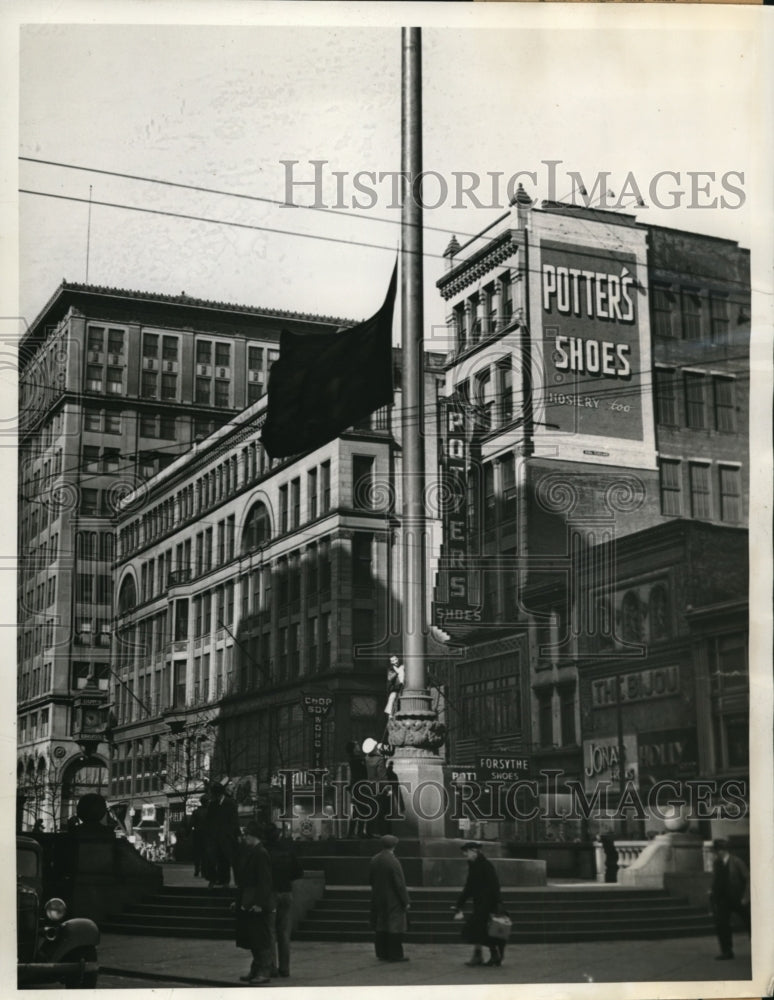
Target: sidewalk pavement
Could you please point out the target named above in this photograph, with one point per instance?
(341, 963)
(313, 963)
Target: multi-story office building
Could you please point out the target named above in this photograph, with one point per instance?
(258, 605)
(596, 388)
(114, 385)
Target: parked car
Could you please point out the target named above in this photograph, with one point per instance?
(50, 948)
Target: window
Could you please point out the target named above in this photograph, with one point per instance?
(490, 502)
(483, 400)
(168, 386)
(283, 509)
(506, 300)
(112, 423)
(670, 488)
(719, 318)
(167, 428)
(362, 560)
(695, 400)
(505, 391)
(691, 314)
(362, 482)
(311, 493)
(203, 390)
(89, 502)
(149, 386)
(312, 642)
(666, 396)
(567, 714)
(725, 411)
(169, 349)
(257, 528)
(150, 345)
(663, 305)
(111, 458)
(203, 352)
(92, 420)
(508, 481)
(94, 378)
(295, 503)
(490, 309)
(475, 319)
(90, 459)
(325, 487)
(325, 568)
(222, 392)
(95, 339)
(115, 381)
(459, 327)
(700, 490)
(631, 617)
(730, 494)
(659, 614)
(325, 648)
(147, 426)
(222, 355)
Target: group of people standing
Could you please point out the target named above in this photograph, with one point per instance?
(390, 904)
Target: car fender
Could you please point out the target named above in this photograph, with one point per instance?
(79, 932)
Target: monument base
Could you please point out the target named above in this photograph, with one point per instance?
(667, 853)
(423, 796)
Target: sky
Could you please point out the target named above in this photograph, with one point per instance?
(222, 106)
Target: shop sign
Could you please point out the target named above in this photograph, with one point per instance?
(669, 754)
(601, 763)
(639, 685)
(493, 767)
(592, 357)
(318, 707)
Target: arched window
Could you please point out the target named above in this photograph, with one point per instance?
(631, 618)
(257, 529)
(660, 624)
(127, 597)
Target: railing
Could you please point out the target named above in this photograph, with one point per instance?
(179, 576)
(628, 852)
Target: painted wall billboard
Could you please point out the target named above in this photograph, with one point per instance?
(593, 365)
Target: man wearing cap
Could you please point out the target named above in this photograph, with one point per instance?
(730, 894)
(389, 902)
(483, 887)
(254, 906)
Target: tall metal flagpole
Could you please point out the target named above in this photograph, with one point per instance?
(414, 730)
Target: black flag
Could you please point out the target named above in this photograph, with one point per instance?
(323, 383)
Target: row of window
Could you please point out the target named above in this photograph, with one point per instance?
(695, 400)
(688, 314)
(483, 314)
(33, 681)
(487, 397)
(33, 725)
(701, 490)
(37, 599)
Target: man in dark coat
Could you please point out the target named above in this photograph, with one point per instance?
(221, 836)
(483, 887)
(730, 894)
(389, 902)
(254, 905)
(285, 869)
(198, 842)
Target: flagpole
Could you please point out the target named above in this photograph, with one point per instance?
(413, 375)
(414, 730)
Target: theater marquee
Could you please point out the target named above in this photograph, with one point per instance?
(592, 358)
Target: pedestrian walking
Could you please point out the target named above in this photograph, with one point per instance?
(483, 888)
(198, 825)
(254, 905)
(730, 894)
(389, 902)
(357, 773)
(285, 869)
(221, 836)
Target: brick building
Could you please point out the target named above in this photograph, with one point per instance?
(597, 387)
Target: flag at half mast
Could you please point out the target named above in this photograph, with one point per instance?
(323, 383)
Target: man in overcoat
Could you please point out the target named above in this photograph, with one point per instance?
(730, 894)
(221, 834)
(254, 906)
(483, 888)
(389, 902)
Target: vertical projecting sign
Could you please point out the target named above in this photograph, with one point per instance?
(318, 707)
(593, 366)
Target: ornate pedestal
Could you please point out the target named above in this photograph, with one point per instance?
(417, 736)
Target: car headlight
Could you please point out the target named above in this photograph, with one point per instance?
(56, 909)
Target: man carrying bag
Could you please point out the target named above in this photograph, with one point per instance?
(254, 906)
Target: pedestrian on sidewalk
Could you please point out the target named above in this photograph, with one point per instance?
(389, 902)
(285, 869)
(198, 826)
(730, 894)
(221, 836)
(611, 857)
(254, 905)
(483, 888)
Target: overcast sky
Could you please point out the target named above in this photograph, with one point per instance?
(220, 107)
